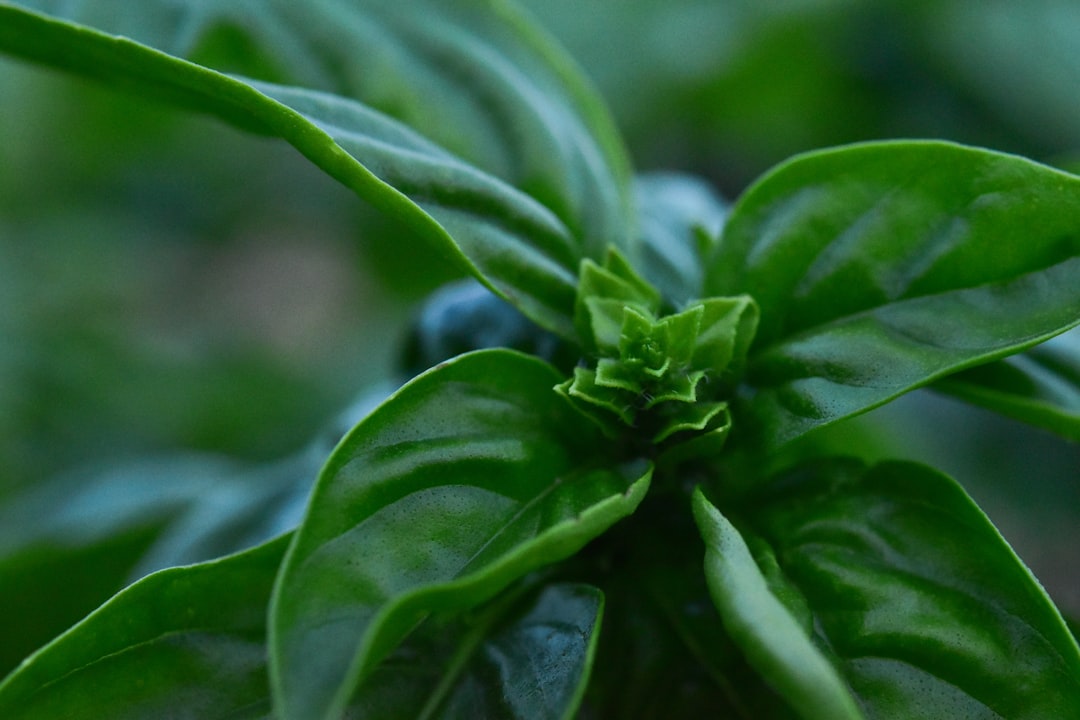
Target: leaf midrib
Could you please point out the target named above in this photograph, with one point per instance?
(868, 312)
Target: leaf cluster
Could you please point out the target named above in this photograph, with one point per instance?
(606, 492)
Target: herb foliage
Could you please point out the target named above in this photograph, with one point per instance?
(518, 531)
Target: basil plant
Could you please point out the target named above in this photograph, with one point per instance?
(606, 492)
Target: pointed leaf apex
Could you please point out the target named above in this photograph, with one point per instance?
(617, 264)
(727, 330)
(599, 287)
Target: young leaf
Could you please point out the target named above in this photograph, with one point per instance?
(882, 267)
(471, 476)
(524, 208)
(1040, 386)
(772, 639)
(925, 609)
(185, 642)
(529, 660)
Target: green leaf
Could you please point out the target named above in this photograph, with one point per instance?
(601, 293)
(584, 391)
(705, 444)
(882, 267)
(665, 653)
(679, 220)
(524, 201)
(511, 241)
(773, 641)
(185, 642)
(924, 608)
(477, 78)
(617, 264)
(698, 416)
(471, 476)
(680, 333)
(530, 659)
(67, 544)
(45, 589)
(728, 327)
(1040, 386)
(70, 542)
(645, 669)
(606, 317)
(614, 375)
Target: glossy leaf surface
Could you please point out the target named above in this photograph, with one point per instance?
(882, 267)
(471, 476)
(185, 642)
(474, 77)
(922, 606)
(529, 660)
(770, 636)
(1040, 386)
(525, 204)
(514, 242)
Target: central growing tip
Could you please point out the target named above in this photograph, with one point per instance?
(665, 377)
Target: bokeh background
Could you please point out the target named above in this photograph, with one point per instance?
(178, 293)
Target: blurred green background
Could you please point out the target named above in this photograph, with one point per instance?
(169, 285)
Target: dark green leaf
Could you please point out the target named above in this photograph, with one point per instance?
(1040, 386)
(924, 608)
(69, 543)
(45, 590)
(476, 78)
(512, 240)
(530, 198)
(679, 220)
(646, 669)
(185, 642)
(529, 660)
(471, 476)
(664, 652)
(882, 267)
(774, 641)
